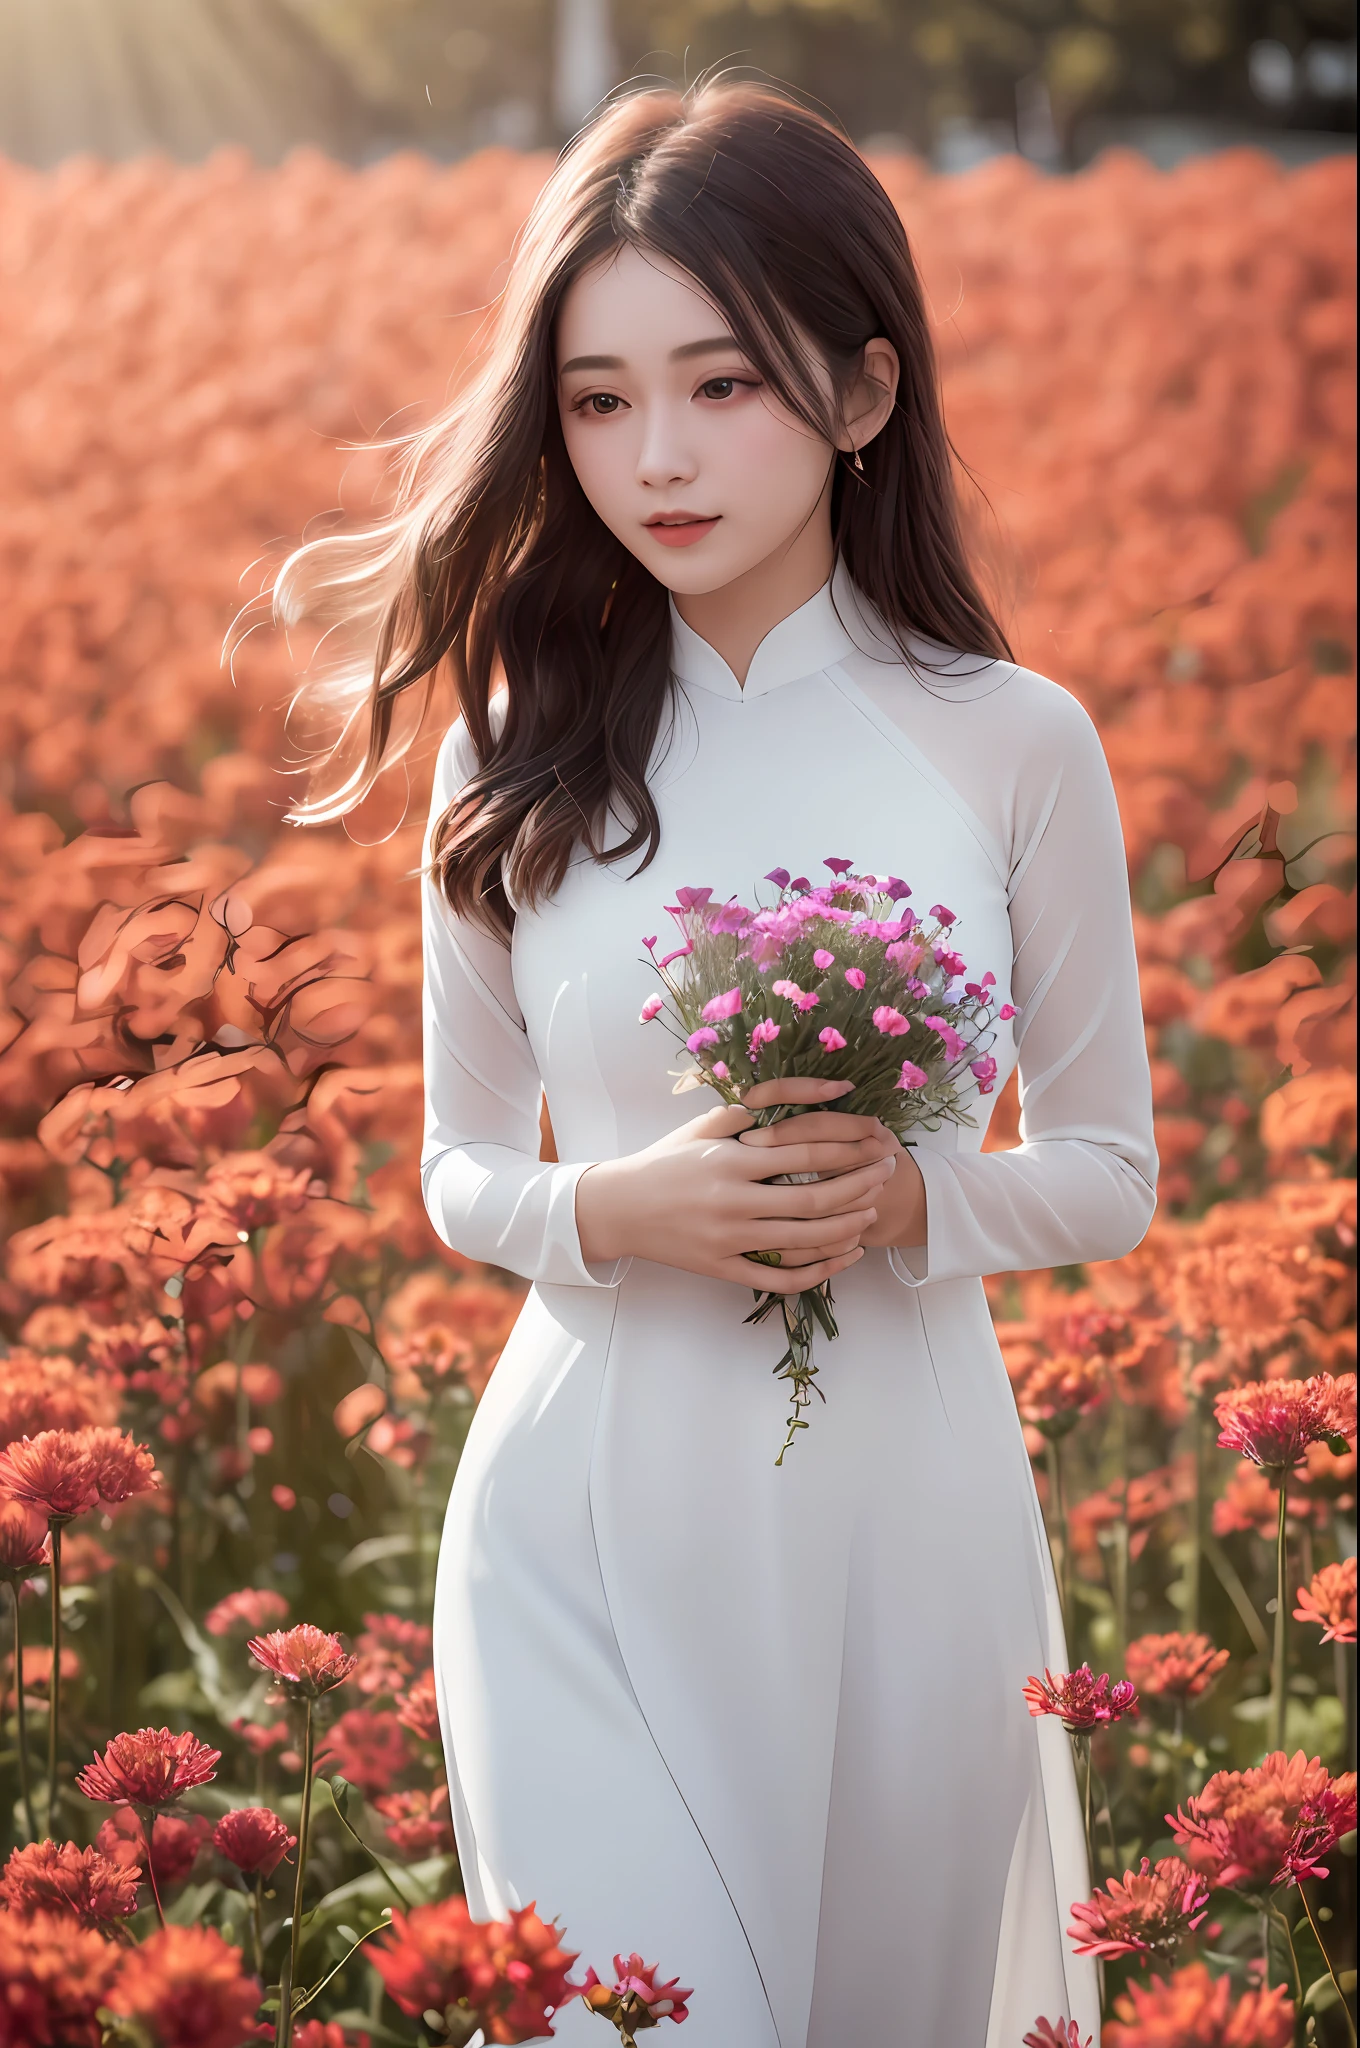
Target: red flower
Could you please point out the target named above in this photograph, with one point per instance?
(419, 1710)
(151, 1768)
(185, 1984)
(1174, 1666)
(119, 1465)
(1193, 2009)
(25, 1542)
(508, 1975)
(1239, 1830)
(1329, 1598)
(635, 2000)
(305, 1660)
(1147, 1912)
(52, 1472)
(176, 1839)
(54, 1877)
(367, 1746)
(244, 1612)
(1082, 1700)
(391, 1651)
(254, 1839)
(1272, 1422)
(417, 1822)
(326, 2034)
(53, 1979)
(1055, 2034)
(1321, 1824)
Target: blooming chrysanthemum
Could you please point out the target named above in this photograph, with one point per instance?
(186, 1985)
(419, 1710)
(52, 1472)
(151, 1768)
(1272, 1422)
(1321, 1823)
(61, 1877)
(1192, 2009)
(251, 1609)
(176, 1839)
(53, 1979)
(635, 2001)
(254, 1839)
(1329, 1599)
(1240, 1829)
(305, 1660)
(1174, 1666)
(1053, 1392)
(119, 1465)
(1055, 2034)
(1080, 1699)
(1147, 1912)
(391, 1651)
(368, 1746)
(511, 1975)
(25, 1543)
(417, 1822)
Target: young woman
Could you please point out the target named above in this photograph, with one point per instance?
(690, 544)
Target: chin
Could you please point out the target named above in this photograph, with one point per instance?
(684, 571)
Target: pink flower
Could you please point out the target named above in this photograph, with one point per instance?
(838, 867)
(679, 954)
(1006, 1012)
(730, 917)
(779, 876)
(949, 1037)
(831, 1039)
(697, 1040)
(653, 1007)
(720, 1070)
(635, 2001)
(985, 1072)
(855, 976)
(688, 899)
(1272, 1422)
(1057, 2033)
(952, 963)
(943, 916)
(1082, 1700)
(766, 1033)
(821, 959)
(726, 1005)
(889, 1021)
(1147, 1912)
(912, 1076)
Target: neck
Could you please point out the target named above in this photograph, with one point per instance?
(736, 618)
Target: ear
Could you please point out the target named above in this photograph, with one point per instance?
(871, 396)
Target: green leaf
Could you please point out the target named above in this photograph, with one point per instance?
(1320, 1995)
(372, 1551)
(190, 1907)
(205, 1659)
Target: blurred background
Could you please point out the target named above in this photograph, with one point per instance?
(955, 81)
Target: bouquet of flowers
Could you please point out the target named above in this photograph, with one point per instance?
(840, 982)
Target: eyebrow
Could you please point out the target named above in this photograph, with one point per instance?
(708, 347)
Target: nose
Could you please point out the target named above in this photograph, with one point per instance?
(664, 456)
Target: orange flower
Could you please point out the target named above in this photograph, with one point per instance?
(1147, 1912)
(1174, 1666)
(510, 1975)
(51, 1393)
(1053, 1393)
(1239, 1829)
(25, 1542)
(635, 2000)
(418, 1822)
(391, 1651)
(254, 1839)
(121, 1467)
(151, 1768)
(60, 1877)
(1329, 1599)
(1192, 2009)
(1274, 1421)
(245, 1611)
(305, 1661)
(38, 1670)
(419, 1709)
(53, 1979)
(187, 1988)
(53, 1472)
(254, 1189)
(367, 1746)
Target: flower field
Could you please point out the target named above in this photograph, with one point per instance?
(237, 1364)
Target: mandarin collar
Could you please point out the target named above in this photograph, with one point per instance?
(803, 644)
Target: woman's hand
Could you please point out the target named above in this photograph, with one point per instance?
(699, 1201)
(899, 1206)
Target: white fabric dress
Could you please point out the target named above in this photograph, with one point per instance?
(766, 1726)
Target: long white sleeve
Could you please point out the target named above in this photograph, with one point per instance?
(1082, 1183)
(488, 1193)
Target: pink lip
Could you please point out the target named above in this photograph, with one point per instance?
(680, 533)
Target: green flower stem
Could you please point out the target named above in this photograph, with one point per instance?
(54, 1683)
(1083, 1743)
(1322, 1950)
(295, 1942)
(371, 1854)
(25, 1789)
(316, 1989)
(257, 1920)
(149, 1830)
(1279, 1663)
(1121, 1538)
(1195, 1567)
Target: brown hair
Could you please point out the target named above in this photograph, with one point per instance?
(493, 556)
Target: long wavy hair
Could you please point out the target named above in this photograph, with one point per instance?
(493, 561)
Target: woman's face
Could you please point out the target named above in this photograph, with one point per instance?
(683, 450)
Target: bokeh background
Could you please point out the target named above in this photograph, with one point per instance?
(241, 241)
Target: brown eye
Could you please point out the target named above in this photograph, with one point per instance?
(603, 403)
(719, 387)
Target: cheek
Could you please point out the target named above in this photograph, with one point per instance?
(771, 463)
(603, 458)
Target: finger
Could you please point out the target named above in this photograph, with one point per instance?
(797, 1255)
(818, 1235)
(794, 1088)
(818, 1126)
(814, 1198)
(771, 1280)
(726, 1121)
(783, 1159)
